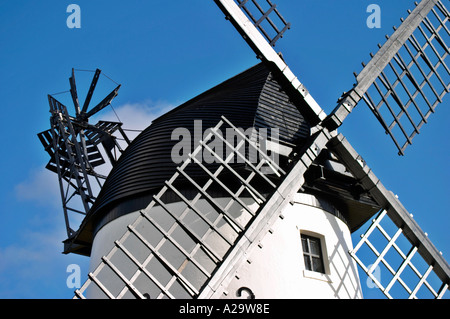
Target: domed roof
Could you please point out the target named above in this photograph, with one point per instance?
(250, 99)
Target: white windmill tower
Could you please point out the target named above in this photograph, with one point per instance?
(249, 189)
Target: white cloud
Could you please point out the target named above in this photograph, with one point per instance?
(41, 187)
(33, 263)
(33, 266)
(35, 250)
(136, 116)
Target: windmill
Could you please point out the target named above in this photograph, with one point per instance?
(202, 229)
(74, 148)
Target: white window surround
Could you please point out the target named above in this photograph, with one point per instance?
(326, 262)
(316, 275)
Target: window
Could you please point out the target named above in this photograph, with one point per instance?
(312, 254)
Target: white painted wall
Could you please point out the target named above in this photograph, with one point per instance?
(275, 268)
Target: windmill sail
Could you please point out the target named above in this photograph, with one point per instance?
(403, 225)
(407, 78)
(161, 257)
(196, 231)
(255, 28)
(412, 60)
(190, 256)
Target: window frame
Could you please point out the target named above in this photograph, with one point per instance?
(310, 255)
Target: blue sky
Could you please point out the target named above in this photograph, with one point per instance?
(163, 53)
